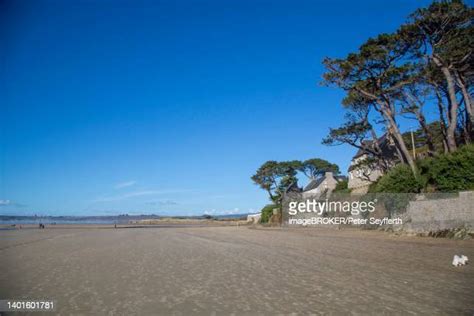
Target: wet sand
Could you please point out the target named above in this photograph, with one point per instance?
(202, 270)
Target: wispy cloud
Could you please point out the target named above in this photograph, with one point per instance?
(222, 196)
(125, 184)
(137, 194)
(225, 212)
(5, 202)
(162, 203)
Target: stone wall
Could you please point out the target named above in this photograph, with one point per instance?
(432, 215)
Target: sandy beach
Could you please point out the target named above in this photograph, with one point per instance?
(223, 270)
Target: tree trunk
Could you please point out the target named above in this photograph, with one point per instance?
(387, 112)
(403, 148)
(442, 121)
(467, 98)
(429, 137)
(271, 195)
(417, 109)
(383, 164)
(453, 110)
(467, 102)
(465, 127)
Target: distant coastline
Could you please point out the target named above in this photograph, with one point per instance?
(110, 219)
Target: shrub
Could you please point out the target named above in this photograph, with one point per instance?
(267, 212)
(399, 179)
(450, 172)
(373, 186)
(341, 186)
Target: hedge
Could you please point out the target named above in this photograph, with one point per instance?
(450, 172)
(267, 212)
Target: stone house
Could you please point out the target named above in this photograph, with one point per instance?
(364, 170)
(254, 218)
(322, 185)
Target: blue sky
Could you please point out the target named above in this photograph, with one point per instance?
(168, 107)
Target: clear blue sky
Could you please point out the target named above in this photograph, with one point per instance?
(168, 107)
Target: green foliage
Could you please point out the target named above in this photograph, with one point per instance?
(394, 75)
(275, 177)
(267, 212)
(399, 179)
(450, 172)
(420, 138)
(342, 186)
(265, 177)
(316, 167)
(353, 132)
(373, 186)
(447, 27)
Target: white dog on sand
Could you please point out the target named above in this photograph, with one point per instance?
(460, 260)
